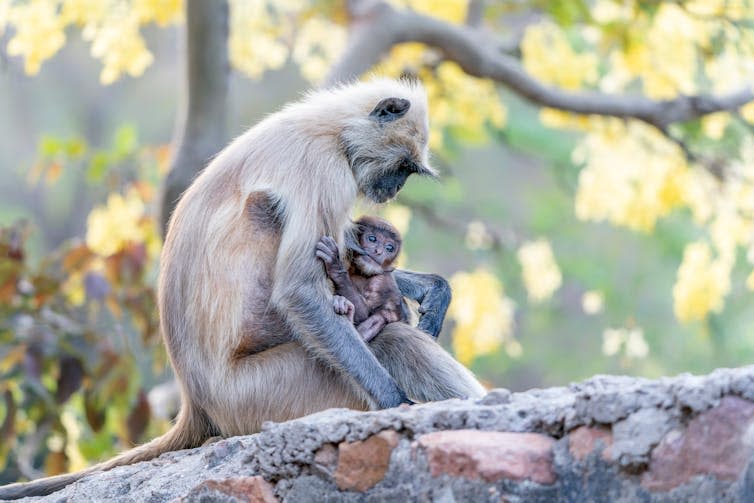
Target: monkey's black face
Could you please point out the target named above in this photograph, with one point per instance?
(389, 184)
(386, 187)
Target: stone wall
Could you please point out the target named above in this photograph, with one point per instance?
(607, 439)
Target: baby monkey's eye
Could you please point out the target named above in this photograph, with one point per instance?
(372, 239)
(390, 248)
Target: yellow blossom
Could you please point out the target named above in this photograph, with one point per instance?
(85, 13)
(4, 13)
(732, 9)
(256, 29)
(612, 339)
(729, 68)
(564, 120)
(540, 272)
(630, 340)
(714, 125)
(318, 44)
(111, 227)
(477, 236)
(701, 284)
(548, 56)
(119, 44)
(483, 315)
(73, 429)
(632, 175)
(747, 112)
(610, 11)
(73, 288)
(162, 12)
(39, 32)
(448, 10)
(592, 302)
(636, 345)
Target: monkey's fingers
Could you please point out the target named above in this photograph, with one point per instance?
(326, 258)
(323, 250)
(330, 242)
(326, 245)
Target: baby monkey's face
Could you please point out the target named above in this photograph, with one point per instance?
(379, 246)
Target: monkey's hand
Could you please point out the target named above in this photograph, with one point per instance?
(341, 305)
(431, 291)
(327, 251)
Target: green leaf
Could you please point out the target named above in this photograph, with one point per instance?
(49, 146)
(75, 148)
(97, 167)
(125, 141)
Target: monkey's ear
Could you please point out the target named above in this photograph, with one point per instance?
(390, 109)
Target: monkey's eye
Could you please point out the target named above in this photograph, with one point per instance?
(390, 248)
(372, 239)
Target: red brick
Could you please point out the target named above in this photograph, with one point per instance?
(490, 455)
(361, 465)
(584, 439)
(249, 489)
(714, 443)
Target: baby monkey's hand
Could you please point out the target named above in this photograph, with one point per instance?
(341, 305)
(327, 251)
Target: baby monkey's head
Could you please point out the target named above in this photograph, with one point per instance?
(381, 244)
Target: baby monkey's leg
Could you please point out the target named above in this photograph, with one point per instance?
(371, 327)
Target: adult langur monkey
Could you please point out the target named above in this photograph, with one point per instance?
(245, 306)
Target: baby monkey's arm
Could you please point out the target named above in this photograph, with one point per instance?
(327, 251)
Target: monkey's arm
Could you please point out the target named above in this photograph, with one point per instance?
(327, 251)
(300, 292)
(432, 293)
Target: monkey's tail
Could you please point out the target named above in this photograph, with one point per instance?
(190, 430)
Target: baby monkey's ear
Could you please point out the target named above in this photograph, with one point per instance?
(390, 109)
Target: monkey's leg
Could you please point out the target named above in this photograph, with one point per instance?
(432, 293)
(421, 366)
(278, 384)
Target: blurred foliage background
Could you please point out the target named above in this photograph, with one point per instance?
(575, 244)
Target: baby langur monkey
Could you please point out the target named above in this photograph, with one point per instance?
(367, 292)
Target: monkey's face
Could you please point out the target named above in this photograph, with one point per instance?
(379, 251)
(380, 247)
(387, 146)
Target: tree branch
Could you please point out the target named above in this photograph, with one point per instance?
(200, 128)
(377, 26)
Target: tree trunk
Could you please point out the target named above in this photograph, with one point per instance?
(200, 127)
